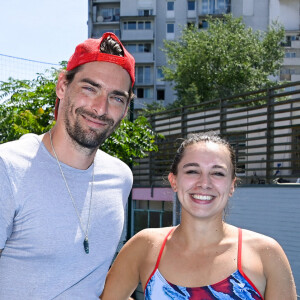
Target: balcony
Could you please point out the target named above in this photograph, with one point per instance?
(137, 35)
(295, 44)
(291, 61)
(219, 7)
(107, 19)
(106, 1)
(104, 15)
(143, 57)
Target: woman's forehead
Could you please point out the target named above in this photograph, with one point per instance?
(211, 149)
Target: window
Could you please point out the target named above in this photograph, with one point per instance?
(147, 47)
(216, 6)
(140, 25)
(132, 25)
(141, 48)
(147, 74)
(191, 5)
(159, 74)
(152, 214)
(190, 24)
(147, 25)
(109, 15)
(170, 28)
(146, 93)
(170, 5)
(144, 47)
(160, 94)
(290, 54)
(145, 12)
(143, 74)
(203, 24)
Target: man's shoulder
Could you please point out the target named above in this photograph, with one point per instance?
(24, 147)
(29, 139)
(107, 160)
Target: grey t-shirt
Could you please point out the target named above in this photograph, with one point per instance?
(43, 255)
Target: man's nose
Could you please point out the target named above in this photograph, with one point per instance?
(100, 104)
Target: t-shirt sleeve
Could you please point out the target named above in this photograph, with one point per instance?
(7, 206)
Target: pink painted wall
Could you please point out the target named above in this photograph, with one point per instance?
(159, 194)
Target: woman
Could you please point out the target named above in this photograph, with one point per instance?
(203, 257)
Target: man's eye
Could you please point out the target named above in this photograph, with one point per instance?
(89, 88)
(118, 99)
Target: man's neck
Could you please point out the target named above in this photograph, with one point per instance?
(67, 151)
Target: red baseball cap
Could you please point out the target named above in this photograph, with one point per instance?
(89, 51)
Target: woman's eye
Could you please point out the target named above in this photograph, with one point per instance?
(219, 174)
(191, 172)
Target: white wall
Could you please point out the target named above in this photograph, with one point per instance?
(273, 211)
(289, 14)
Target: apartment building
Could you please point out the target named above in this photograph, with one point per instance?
(143, 25)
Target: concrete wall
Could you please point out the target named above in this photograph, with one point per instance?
(273, 211)
(289, 14)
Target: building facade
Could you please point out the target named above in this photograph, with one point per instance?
(143, 25)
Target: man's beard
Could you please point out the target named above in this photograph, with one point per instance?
(89, 138)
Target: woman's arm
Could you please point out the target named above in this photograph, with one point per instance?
(124, 275)
(280, 282)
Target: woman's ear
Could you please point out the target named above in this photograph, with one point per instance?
(172, 180)
(232, 187)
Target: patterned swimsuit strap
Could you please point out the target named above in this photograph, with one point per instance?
(159, 255)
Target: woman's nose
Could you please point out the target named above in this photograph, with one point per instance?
(204, 181)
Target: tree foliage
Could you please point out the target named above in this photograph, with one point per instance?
(28, 106)
(226, 59)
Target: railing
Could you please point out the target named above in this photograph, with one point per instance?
(263, 127)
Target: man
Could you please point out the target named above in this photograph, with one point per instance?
(61, 198)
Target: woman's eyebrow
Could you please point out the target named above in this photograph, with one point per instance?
(191, 165)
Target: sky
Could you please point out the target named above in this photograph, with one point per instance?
(42, 30)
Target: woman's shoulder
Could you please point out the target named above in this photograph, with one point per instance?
(274, 263)
(151, 235)
(148, 238)
(267, 248)
(259, 241)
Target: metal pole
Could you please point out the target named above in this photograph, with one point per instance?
(129, 205)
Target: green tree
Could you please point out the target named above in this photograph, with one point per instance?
(28, 106)
(226, 59)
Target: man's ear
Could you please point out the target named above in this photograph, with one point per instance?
(172, 180)
(61, 85)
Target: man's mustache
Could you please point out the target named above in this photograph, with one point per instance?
(82, 111)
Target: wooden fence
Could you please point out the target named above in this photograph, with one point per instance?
(263, 127)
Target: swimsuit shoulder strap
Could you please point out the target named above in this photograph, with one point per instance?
(160, 254)
(240, 242)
